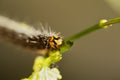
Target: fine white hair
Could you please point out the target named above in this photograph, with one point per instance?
(19, 27)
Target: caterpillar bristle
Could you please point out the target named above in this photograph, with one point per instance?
(39, 40)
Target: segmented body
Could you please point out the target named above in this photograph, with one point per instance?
(41, 41)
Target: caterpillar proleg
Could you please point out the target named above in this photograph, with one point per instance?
(42, 41)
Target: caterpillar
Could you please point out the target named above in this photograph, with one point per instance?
(41, 41)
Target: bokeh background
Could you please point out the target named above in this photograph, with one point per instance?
(93, 57)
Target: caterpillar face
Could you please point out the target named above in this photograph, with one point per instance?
(55, 42)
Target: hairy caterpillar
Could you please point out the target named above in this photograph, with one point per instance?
(42, 41)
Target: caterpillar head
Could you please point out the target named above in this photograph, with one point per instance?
(55, 42)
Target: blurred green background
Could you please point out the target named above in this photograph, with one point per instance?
(93, 57)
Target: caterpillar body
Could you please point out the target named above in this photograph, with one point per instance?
(41, 41)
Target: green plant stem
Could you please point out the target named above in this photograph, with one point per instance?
(112, 21)
(102, 24)
(83, 33)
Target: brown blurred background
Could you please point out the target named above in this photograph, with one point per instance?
(93, 57)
